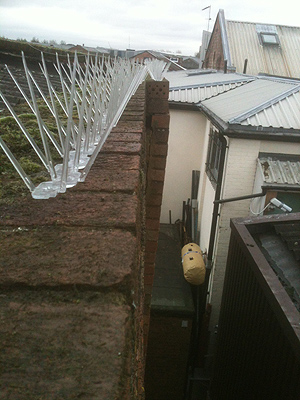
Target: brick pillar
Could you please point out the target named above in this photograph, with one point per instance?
(157, 126)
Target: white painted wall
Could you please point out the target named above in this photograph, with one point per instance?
(240, 173)
(188, 142)
(206, 213)
(185, 153)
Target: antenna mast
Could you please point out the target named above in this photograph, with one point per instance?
(209, 18)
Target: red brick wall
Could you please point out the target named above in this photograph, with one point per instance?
(144, 56)
(214, 57)
(157, 148)
(76, 270)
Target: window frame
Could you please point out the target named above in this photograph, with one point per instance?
(212, 165)
(265, 42)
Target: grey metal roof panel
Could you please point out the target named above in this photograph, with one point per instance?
(195, 86)
(283, 114)
(197, 94)
(180, 79)
(257, 98)
(244, 43)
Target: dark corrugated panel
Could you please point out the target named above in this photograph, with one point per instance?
(254, 358)
(290, 233)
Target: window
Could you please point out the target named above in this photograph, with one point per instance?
(268, 38)
(213, 156)
(267, 35)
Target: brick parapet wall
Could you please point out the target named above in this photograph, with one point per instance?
(157, 142)
(72, 271)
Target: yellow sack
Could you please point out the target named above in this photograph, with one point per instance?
(193, 264)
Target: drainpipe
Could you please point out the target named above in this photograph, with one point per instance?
(201, 292)
(245, 66)
(214, 221)
(225, 66)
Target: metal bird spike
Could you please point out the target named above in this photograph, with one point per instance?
(94, 96)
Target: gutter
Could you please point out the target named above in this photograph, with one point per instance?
(177, 105)
(251, 132)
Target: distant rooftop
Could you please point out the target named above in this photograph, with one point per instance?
(269, 48)
(193, 86)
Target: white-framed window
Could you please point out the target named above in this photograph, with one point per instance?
(213, 155)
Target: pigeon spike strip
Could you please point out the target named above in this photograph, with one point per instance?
(92, 97)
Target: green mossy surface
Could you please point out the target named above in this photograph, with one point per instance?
(11, 184)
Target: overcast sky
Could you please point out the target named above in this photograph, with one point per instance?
(169, 25)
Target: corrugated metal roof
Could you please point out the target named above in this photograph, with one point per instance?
(195, 86)
(283, 114)
(244, 43)
(263, 102)
(281, 172)
(197, 94)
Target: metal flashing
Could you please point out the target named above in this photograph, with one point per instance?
(240, 118)
(224, 36)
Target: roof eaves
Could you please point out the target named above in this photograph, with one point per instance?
(263, 133)
(240, 118)
(217, 121)
(251, 132)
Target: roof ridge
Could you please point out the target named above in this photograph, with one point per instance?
(249, 79)
(262, 23)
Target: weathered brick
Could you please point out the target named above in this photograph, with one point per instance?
(157, 162)
(155, 187)
(156, 175)
(58, 344)
(153, 212)
(154, 199)
(122, 147)
(160, 106)
(150, 257)
(151, 246)
(157, 89)
(149, 268)
(152, 235)
(152, 223)
(147, 300)
(74, 209)
(159, 149)
(83, 240)
(160, 121)
(148, 288)
(111, 181)
(56, 258)
(160, 135)
(148, 280)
